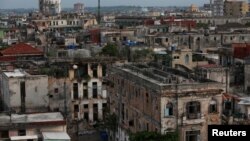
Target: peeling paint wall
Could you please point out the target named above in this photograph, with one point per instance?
(36, 95)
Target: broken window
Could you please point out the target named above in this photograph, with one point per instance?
(56, 90)
(23, 96)
(193, 110)
(94, 85)
(213, 106)
(75, 90)
(76, 108)
(85, 93)
(22, 132)
(86, 116)
(193, 135)
(86, 106)
(83, 70)
(147, 97)
(95, 68)
(168, 110)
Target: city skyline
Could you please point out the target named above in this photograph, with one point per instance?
(12, 4)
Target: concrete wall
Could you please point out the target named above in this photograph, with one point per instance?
(36, 94)
(38, 130)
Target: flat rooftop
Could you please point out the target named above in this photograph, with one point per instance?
(159, 77)
(15, 73)
(31, 118)
(55, 136)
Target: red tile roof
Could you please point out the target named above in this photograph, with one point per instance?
(21, 49)
(7, 58)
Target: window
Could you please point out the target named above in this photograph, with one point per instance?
(147, 97)
(76, 108)
(104, 105)
(215, 39)
(193, 135)
(56, 90)
(85, 84)
(104, 68)
(94, 85)
(168, 110)
(166, 39)
(95, 68)
(86, 116)
(75, 90)
(193, 110)
(95, 116)
(23, 95)
(22, 132)
(95, 107)
(86, 106)
(85, 93)
(213, 106)
(176, 57)
(187, 59)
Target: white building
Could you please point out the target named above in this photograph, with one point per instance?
(22, 92)
(50, 7)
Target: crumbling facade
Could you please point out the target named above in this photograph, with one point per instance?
(147, 98)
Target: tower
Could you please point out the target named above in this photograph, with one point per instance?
(50, 7)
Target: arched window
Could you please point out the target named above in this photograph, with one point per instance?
(168, 111)
(193, 110)
(187, 59)
(212, 106)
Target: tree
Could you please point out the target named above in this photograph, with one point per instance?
(110, 50)
(153, 136)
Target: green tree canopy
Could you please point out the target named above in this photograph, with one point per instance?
(110, 50)
(153, 136)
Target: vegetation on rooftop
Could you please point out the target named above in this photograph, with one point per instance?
(54, 71)
(110, 50)
(202, 25)
(142, 55)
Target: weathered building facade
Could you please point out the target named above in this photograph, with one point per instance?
(147, 98)
(23, 93)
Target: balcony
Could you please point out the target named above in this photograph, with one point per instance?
(196, 118)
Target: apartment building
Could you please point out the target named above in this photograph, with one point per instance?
(154, 98)
(235, 8)
(218, 8)
(84, 87)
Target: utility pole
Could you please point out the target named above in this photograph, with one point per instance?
(65, 99)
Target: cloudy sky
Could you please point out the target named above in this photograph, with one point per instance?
(5, 4)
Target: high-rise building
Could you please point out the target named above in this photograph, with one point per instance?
(79, 8)
(218, 8)
(235, 8)
(50, 7)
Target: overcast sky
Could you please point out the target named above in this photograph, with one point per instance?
(6, 4)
